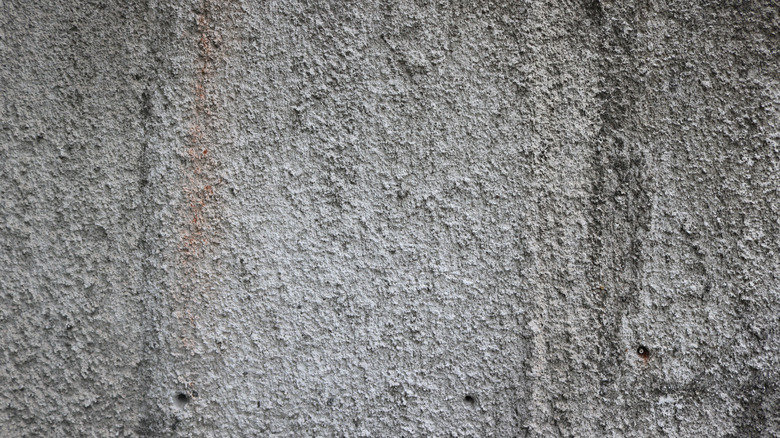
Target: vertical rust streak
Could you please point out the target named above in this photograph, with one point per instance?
(199, 227)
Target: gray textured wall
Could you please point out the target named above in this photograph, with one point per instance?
(390, 218)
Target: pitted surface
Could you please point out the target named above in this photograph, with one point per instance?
(390, 218)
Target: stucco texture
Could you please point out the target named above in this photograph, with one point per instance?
(389, 218)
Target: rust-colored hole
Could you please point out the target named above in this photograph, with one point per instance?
(643, 352)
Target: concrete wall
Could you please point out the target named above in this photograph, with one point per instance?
(390, 218)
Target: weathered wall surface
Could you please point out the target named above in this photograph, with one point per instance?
(390, 218)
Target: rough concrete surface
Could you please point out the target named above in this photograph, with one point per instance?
(390, 218)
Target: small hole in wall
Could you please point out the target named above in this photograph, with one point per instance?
(182, 399)
(469, 399)
(643, 352)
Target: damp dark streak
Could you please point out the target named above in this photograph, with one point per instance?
(150, 244)
(619, 205)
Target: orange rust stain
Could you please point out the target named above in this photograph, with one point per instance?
(199, 233)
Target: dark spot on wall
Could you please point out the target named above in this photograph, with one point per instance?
(144, 427)
(146, 105)
(182, 399)
(469, 399)
(643, 352)
(594, 11)
(759, 399)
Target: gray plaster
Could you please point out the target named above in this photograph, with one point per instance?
(389, 218)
